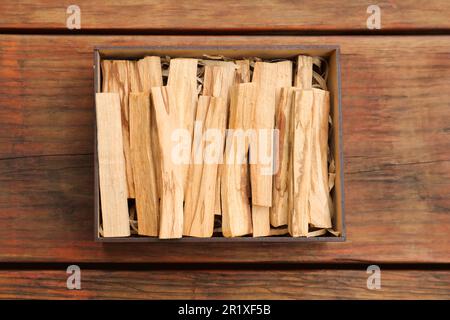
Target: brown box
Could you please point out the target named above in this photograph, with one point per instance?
(331, 53)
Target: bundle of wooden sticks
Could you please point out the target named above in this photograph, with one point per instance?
(199, 147)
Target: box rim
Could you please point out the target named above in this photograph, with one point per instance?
(341, 238)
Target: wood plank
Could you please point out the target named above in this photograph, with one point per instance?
(144, 170)
(111, 166)
(225, 284)
(253, 15)
(396, 148)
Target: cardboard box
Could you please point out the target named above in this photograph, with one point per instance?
(331, 53)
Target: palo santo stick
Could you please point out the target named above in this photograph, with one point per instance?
(199, 209)
(319, 197)
(111, 161)
(242, 71)
(150, 75)
(269, 77)
(280, 205)
(243, 76)
(301, 163)
(168, 120)
(303, 76)
(236, 216)
(278, 232)
(116, 79)
(219, 77)
(144, 171)
(183, 79)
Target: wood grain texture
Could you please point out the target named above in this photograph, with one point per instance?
(144, 169)
(236, 216)
(225, 284)
(269, 78)
(111, 166)
(199, 196)
(280, 191)
(117, 75)
(183, 80)
(396, 147)
(168, 120)
(153, 15)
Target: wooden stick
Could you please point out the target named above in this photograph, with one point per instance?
(242, 71)
(144, 171)
(183, 79)
(168, 120)
(219, 77)
(236, 217)
(301, 163)
(199, 209)
(303, 76)
(150, 75)
(243, 76)
(319, 198)
(111, 161)
(116, 79)
(270, 78)
(280, 205)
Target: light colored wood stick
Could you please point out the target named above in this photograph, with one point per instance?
(199, 209)
(150, 75)
(111, 161)
(168, 120)
(243, 76)
(183, 78)
(144, 171)
(116, 79)
(280, 205)
(242, 71)
(236, 216)
(270, 78)
(301, 163)
(219, 77)
(260, 221)
(303, 76)
(319, 197)
(278, 232)
(134, 79)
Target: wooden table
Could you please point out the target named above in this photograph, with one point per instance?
(396, 128)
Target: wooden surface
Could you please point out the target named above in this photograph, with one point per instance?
(396, 131)
(186, 15)
(224, 284)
